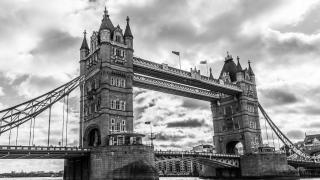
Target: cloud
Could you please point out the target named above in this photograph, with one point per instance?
(195, 104)
(295, 134)
(278, 97)
(189, 123)
(1, 91)
(54, 42)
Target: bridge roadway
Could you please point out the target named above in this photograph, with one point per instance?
(57, 152)
(41, 152)
(165, 72)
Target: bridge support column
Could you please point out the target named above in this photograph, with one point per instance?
(76, 168)
(123, 163)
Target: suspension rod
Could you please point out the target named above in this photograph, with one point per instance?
(67, 119)
(49, 125)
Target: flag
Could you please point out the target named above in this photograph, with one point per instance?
(203, 62)
(147, 122)
(176, 53)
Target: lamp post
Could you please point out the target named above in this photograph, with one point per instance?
(151, 134)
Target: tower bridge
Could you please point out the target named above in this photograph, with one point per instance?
(109, 148)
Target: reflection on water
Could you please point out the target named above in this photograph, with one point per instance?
(162, 178)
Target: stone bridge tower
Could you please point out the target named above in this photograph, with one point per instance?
(236, 119)
(106, 103)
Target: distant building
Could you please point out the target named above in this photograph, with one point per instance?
(204, 148)
(312, 140)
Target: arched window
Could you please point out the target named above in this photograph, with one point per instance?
(113, 104)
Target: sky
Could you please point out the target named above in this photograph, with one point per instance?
(39, 50)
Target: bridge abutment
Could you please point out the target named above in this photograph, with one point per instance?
(265, 165)
(113, 163)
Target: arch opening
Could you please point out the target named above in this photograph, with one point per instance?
(234, 147)
(94, 137)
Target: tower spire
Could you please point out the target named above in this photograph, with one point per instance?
(84, 44)
(210, 76)
(250, 69)
(106, 22)
(239, 68)
(127, 32)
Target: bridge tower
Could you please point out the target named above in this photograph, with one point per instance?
(236, 118)
(106, 110)
(106, 104)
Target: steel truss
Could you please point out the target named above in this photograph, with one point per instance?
(15, 116)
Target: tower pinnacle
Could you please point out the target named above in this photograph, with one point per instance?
(84, 44)
(127, 32)
(250, 69)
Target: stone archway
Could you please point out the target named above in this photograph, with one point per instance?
(234, 147)
(92, 137)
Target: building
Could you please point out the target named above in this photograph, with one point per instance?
(204, 148)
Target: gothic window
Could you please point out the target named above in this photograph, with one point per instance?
(112, 124)
(118, 82)
(118, 126)
(113, 104)
(123, 83)
(118, 52)
(250, 108)
(123, 125)
(118, 105)
(228, 111)
(118, 38)
(252, 125)
(112, 81)
(123, 105)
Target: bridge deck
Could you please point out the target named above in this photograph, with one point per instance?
(163, 71)
(41, 152)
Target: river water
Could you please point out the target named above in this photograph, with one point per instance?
(162, 178)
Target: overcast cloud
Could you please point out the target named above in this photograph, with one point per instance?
(40, 42)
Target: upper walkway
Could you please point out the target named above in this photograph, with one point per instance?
(163, 71)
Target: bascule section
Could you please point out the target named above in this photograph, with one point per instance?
(235, 118)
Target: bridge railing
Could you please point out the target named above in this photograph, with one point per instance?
(159, 152)
(42, 148)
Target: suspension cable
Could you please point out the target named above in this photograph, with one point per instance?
(63, 108)
(49, 125)
(67, 119)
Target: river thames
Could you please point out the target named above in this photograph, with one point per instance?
(161, 178)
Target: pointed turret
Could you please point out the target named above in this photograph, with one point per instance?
(229, 67)
(84, 44)
(250, 69)
(211, 76)
(127, 32)
(106, 22)
(239, 68)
